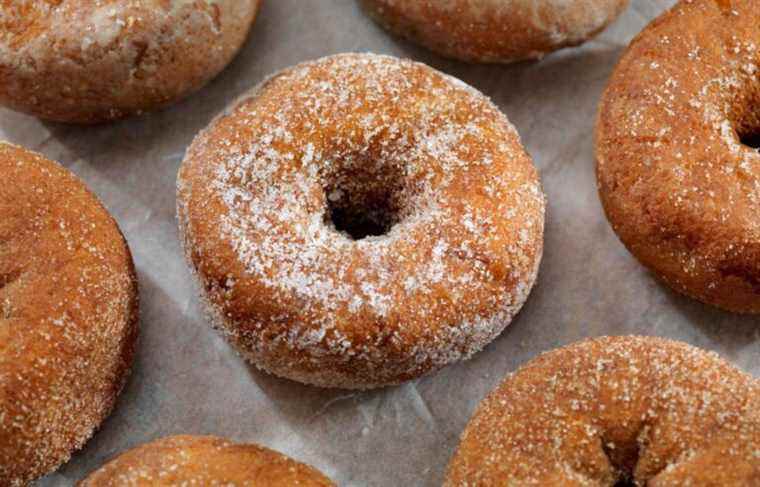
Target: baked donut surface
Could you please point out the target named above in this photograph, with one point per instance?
(68, 314)
(87, 61)
(677, 161)
(634, 410)
(204, 460)
(495, 31)
(359, 221)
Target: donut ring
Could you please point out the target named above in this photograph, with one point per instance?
(277, 196)
(88, 61)
(68, 315)
(203, 460)
(634, 410)
(495, 31)
(677, 167)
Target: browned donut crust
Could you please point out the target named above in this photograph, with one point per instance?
(644, 410)
(204, 460)
(68, 314)
(382, 141)
(495, 31)
(678, 185)
(87, 61)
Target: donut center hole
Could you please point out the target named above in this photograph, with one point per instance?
(364, 201)
(623, 456)
(748, 123)
(751, 139)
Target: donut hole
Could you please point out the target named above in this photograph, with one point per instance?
(623, 456)
(364, 200)
(747, 122)
(751, 139)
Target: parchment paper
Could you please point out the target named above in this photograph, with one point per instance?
(188, 380)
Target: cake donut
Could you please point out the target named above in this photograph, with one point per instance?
(616, 411)
(361, 220)
(677, 162)
(68, 314)
(495, 31)
(87, 61)
(204, 460)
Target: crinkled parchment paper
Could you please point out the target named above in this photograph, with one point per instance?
(187, 380)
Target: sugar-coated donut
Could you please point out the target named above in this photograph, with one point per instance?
(360, 220)
(677, 136)
(204, 460)
(87, 61)
(495, 31)
(68, 314)
(616, 411)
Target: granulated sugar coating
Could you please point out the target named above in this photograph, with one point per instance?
(677, 137)
(646, 411)
(495, 31)
(360, 220)
(88, 61)
(68, 315)
(204, 461)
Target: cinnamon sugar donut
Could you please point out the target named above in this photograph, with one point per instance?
(360, 220)
(87, 61)
(677, 138)
(68, 314)
(204, 460)
(495, 31)
(616, 411)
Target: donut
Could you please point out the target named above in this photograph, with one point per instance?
(204, 460)
(495, 31)
(360, 220)
(89, 61)
(616, 411)
(678, 168)
(68, 314)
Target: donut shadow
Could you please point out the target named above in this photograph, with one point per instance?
(733, 332)
(666, 313)
(17, 126)
(356, 417)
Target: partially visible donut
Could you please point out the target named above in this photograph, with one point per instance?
(88, 61)
(68, 314)
(645, 411)
(203, 460)
(359, 221)
(678, 165)
(495, 31)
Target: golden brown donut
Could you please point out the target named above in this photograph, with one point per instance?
(360, 220)
(68, 314)
(495, 31)
(204, 460)
(678, 169)
(633, 410)
(87, 61)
